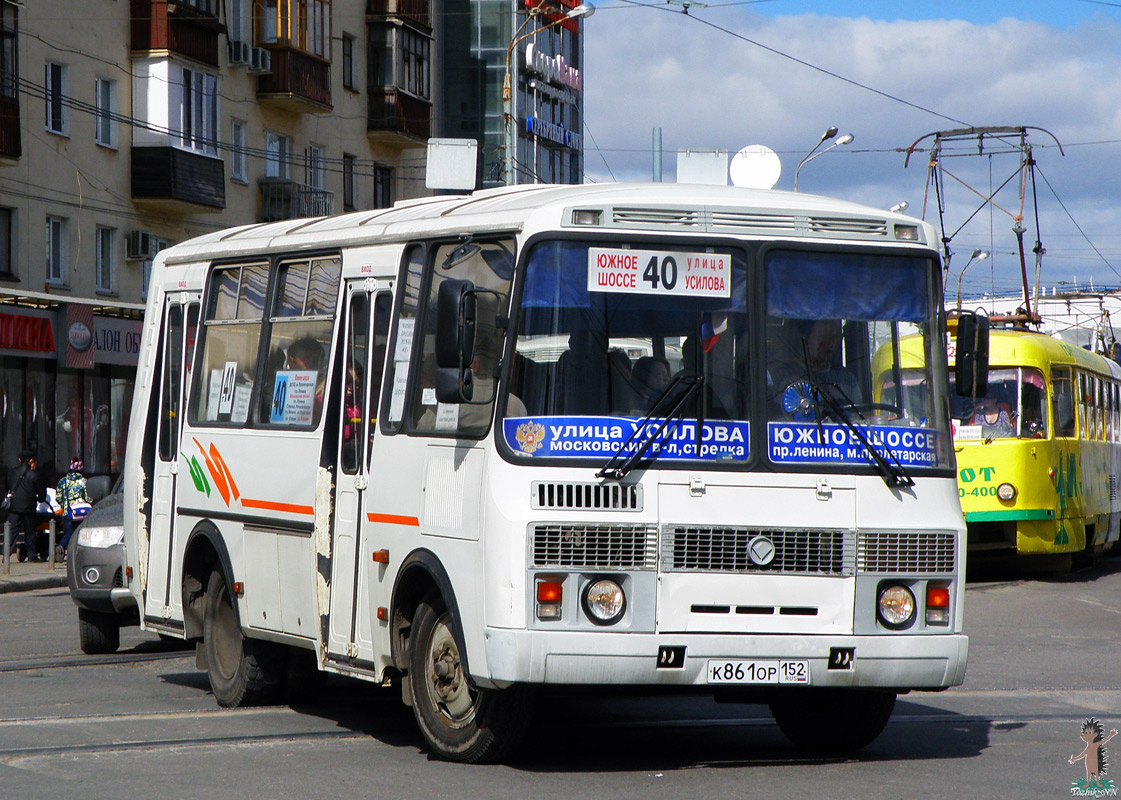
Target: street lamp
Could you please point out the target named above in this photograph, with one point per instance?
(810, 156)
(978, 255)
(582, 10)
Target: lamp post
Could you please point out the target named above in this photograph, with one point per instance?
(582, 10)
(810, 156)
(978, 255)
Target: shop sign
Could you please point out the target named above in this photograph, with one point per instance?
(26, 333)
(116, 341)
(554, 133)
(554, 69)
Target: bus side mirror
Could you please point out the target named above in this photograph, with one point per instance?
(455, 340)
(455, 324)
(971, 365)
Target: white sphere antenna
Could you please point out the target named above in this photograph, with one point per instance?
(755, 167)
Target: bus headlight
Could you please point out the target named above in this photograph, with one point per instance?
(896, 606)
(1006, 491)
(604, 602)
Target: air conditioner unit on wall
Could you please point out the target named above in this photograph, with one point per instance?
(260, 61)
(239, 52)
(140, 245)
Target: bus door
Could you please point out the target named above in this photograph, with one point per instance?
(180, 330)
(368, 309)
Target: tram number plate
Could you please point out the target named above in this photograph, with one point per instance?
(758, 672)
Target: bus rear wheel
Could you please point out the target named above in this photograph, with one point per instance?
(459, 721)
(242, 672)
(833, 720)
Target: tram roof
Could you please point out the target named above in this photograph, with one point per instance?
(649, 207)
(1017, 346)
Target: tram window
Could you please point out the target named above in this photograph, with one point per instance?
(1062, 402)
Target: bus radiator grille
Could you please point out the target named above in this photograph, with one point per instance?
(906, 552)
(585, 496)
(595, 546)
(703, 549)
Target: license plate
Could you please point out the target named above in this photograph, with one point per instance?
(758, 672)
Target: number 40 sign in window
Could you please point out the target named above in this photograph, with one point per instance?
(659, 272)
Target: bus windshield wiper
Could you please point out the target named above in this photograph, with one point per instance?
(617, 466)
(893, 473)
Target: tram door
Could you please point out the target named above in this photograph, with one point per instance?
(368, 309)
(180, 330)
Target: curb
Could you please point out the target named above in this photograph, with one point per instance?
(29, 583)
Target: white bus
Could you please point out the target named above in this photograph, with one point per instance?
(554, 435)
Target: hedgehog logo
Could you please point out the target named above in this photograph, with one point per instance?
(1094, 756)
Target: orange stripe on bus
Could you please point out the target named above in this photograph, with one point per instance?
(269, 505)
(393, 519)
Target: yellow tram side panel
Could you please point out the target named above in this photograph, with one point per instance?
(1062, 484)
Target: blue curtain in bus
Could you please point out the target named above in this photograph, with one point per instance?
(847, 286)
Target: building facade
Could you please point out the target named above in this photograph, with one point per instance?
(129, 125)
(545, 62)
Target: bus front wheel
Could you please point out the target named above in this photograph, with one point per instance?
(833, 720)
(242, 671)
(459, 721)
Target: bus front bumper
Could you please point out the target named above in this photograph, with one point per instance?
(896, 661)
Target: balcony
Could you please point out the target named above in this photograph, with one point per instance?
(299, 82)
(174, 179)
(166, 25)
(415, 10)
(397, 118)
(282, 199)
(10, 142)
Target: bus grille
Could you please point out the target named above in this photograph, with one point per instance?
(586, 496)
(595, 546)
(699, 549)
(906, 552)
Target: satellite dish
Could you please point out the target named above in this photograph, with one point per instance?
(755, 167)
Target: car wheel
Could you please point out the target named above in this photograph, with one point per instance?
(459, 721)
(833, 720)
(242, 671)
(99, 633)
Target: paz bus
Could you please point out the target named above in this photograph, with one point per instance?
(1039, 455)
(473, 446)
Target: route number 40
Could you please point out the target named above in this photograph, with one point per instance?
(666, 275)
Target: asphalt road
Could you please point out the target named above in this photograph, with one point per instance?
(1044, 656)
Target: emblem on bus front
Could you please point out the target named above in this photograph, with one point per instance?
(761, 551)
(530, 436)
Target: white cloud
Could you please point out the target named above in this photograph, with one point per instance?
(705, 88)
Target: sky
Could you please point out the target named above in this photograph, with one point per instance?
(781, 72)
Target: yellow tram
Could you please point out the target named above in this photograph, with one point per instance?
(1038, 457)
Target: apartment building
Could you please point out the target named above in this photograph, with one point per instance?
(129, 125)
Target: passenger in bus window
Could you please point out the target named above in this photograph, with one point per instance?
(651, 377)
(306, 355)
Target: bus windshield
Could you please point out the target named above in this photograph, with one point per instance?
(612, 342)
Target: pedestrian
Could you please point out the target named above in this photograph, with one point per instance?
(72, 497)
(27, 490)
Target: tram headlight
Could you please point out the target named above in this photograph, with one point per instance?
(896, 606)
(604, 602)
(1006, 491)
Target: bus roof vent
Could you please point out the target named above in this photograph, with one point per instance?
(682, 219)
(848, 226)
(572, 496)
(753, 222)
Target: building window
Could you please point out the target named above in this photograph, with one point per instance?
(277, 153)
(199, 112)
(348, 182)
(314, 173)
(57, 87)
(304, 24)
(348, 62)
(105, 126)
(237, 151)
(413, 59)
(146, 267)
(103, 272)
(56, 250)
(9, 53)
(383, 186)
(7, 239)
(237, 20)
